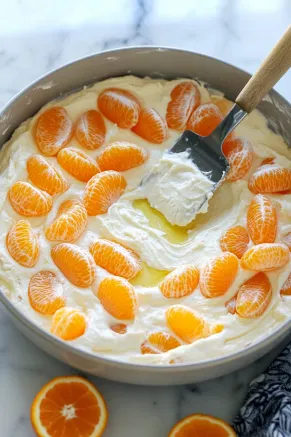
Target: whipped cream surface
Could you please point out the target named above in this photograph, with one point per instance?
(176, 193)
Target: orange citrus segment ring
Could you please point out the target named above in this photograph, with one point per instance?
(235, 240)
(239, 154)
(70, 223)
(121, 156)
(22, 244)
(218, 274)
(119, 106)
(76, 162)
(119, 328)
(181, 282)
(254, 296)
(68, 323)
(262, 220)
(45, 176)
(69, 406)
(151, 126)
(205, 119)
(53, 130)
(90, 130)
(286, 288)
(45, 293)
(28, 200)
(118, 298)
(159, 342)
(185, 98)
(102, 191)
(202, 425)
(265, 257)
(115, 258)
(76, 264)
(270, 178)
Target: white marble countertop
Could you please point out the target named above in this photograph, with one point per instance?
(37, 36)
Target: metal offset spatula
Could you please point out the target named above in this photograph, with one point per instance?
(206, 152)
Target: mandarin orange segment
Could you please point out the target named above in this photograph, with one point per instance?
(76, 162)
(121, 156)
(115, 258)
(159, 342)
(118, 298)
(223, 104)
(28, 200)
(235, 240)
(271, 160)
(119, 328)
(45, 176)
(119, 106)
(230, 305)
(70, 222)
(270, 178)
(185, 98)
(202, 425)
(218, 274)
(181, 282)
(262, 220)
(187, 324)
(265, 257)
(76, 264)
(287, 240)
(102, 191)
(151, 126)
(53, 130)
(22, 244)
(68, 323)
(90, 130)
(286, 287)
(45, 293)
(239, 153)
(204, 119)
(254, 296)
(69, 406)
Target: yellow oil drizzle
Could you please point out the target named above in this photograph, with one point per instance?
(174, 234)
(149, 277)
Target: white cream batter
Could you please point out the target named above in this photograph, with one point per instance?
(128, 225)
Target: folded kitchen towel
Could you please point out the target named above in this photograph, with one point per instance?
(267, 409)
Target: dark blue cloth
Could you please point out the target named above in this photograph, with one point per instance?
(267, 409)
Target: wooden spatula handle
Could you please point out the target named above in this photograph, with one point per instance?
(268, 74)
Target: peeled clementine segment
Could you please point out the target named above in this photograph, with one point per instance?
(202, 425)
(69, 406)
(68, 323)
(265, 257)
(115, 258)
(287, 240)
(119, 106)
(239, 153)
(230, 305)
(119, 328)
(180, 282)
(187, 324)
(118, 298)
(151, 126)
(28, 200)
(159, 342)
(121, 156)
(286, 288)
(254, 296)
(76, 162)
(235, 240)
(204, 119)
(270, 160)
(102, 191)
(90, 130)
(75, 263)
(223, 104)
(270, 178)
(185, 98)
(45, 176)
(70, 222)
(22, 244)
(45, 293)
(53, 130)
(262, 220)
(218, 274)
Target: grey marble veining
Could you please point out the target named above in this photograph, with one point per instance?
(36, 37)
